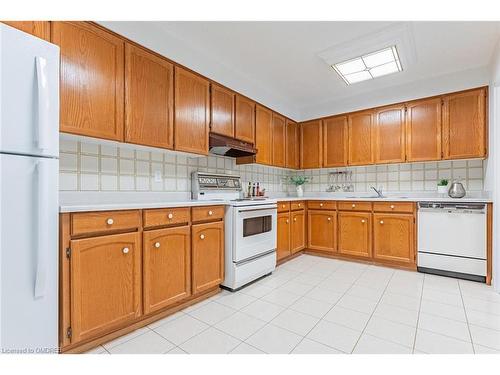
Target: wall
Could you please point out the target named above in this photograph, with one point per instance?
(94, 166)
(403, 177)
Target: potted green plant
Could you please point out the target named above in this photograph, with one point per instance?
(443, 186)
(299, 182)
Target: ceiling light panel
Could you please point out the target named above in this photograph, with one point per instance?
(369, 66)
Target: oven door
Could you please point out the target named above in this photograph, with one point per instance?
(254, 232)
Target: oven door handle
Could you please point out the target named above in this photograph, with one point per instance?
(259, 209)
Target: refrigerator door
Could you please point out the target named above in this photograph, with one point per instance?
(29, 94)
(28, 253)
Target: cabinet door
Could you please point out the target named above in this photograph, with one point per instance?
(464, 125)
(192, 112)
(297, 231)
(335, 141)
(149, 98)
(360, 126)
(310, 145)
(389, 135)
(279, 140)
(244, 119)
(91, 80)
(222, 111)
(355, 235)
(166, 267)
(283, 240)
(322, 226)
(264, 135)
(423, 130)
(40, 29)
(207, 256)
(393, 237)
(105, 283)
(292, 145)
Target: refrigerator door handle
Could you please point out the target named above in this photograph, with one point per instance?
(43, 103)
(42, 220)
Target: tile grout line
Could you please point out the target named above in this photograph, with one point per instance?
(418, 315)
(466, 319)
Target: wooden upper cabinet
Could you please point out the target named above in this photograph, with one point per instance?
(394, 238)
(322, 228)
(297, 231)
(464, 125)
(91, 80)
(149, 98)
(292, 145)
(40, 29)
(283, 235)
(264, 135)
(389, 135)
(192, 112)
(279, 140)
(310, 144)
(360, 125)
(105, 283)
(222, 111)
(166, 267)
(244, 119)
(207, 255)
(355, 234)
(423, 130)
(335, 141)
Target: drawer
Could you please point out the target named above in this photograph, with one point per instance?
(207, 213)
(166, 216)
(355, 206)
(283, 206)
(297, 205)
(104, 221)
(322, 205)
(393, 207)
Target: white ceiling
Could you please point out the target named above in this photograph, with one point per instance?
(279, 63)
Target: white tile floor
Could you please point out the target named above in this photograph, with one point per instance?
(320, 305)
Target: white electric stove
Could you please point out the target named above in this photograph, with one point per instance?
(250, 228)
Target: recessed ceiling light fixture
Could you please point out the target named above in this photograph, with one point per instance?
(369, 66)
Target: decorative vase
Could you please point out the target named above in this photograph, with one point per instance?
(300, 191)
(442, 189)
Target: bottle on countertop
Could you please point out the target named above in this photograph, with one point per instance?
(253, 190)
(257, 191)
(249, 192)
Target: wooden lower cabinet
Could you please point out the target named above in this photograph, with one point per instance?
(355, 234)
(297, 231)
(394, 237)
(321, 227)
(207, 255)
(166, 267)
(105, 283)
(283, 240)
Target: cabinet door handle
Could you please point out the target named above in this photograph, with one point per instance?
(287, 221)
(282, 206)
(392, 207)
(363, 221)
(381, 221)
(210, 213)
(353, 205)
(125, 250)
(170, 216)
(157, 245)
(202, 236)
(300, 205)
(294, 219)
(321, 204)
(329, 219)
(110, 221)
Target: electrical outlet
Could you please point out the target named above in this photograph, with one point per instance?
(158, 177)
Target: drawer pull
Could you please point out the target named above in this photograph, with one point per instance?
(329, 219)
(300, 205)
(282, 206)
(353, 205)
(170, 216)
(392, 207)
(287, 221)
(363, 221)
(210, 213)
(125, 250)
(157, 245)
(321, 204)
(381, 221)
(202, 236)
(294, 219)
(110, 221)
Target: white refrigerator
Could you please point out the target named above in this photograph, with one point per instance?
(29, 151)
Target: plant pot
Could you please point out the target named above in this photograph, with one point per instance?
(443, 189)
(300, 190)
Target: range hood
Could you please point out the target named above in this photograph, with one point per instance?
(227, 146)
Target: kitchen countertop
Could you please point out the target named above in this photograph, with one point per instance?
(100, 201)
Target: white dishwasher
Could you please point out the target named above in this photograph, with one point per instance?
(452, 239)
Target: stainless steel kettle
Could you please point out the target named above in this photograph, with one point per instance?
(456, 190)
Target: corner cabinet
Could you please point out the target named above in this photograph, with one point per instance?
(298, 234)
(91, 80)
(105, 283)
(149, 98)
(292, 145)
(279, 140)
(192, 112)
(283, 233)
(311, 154)
(464, 125)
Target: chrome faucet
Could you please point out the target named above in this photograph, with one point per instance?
(378, 191)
